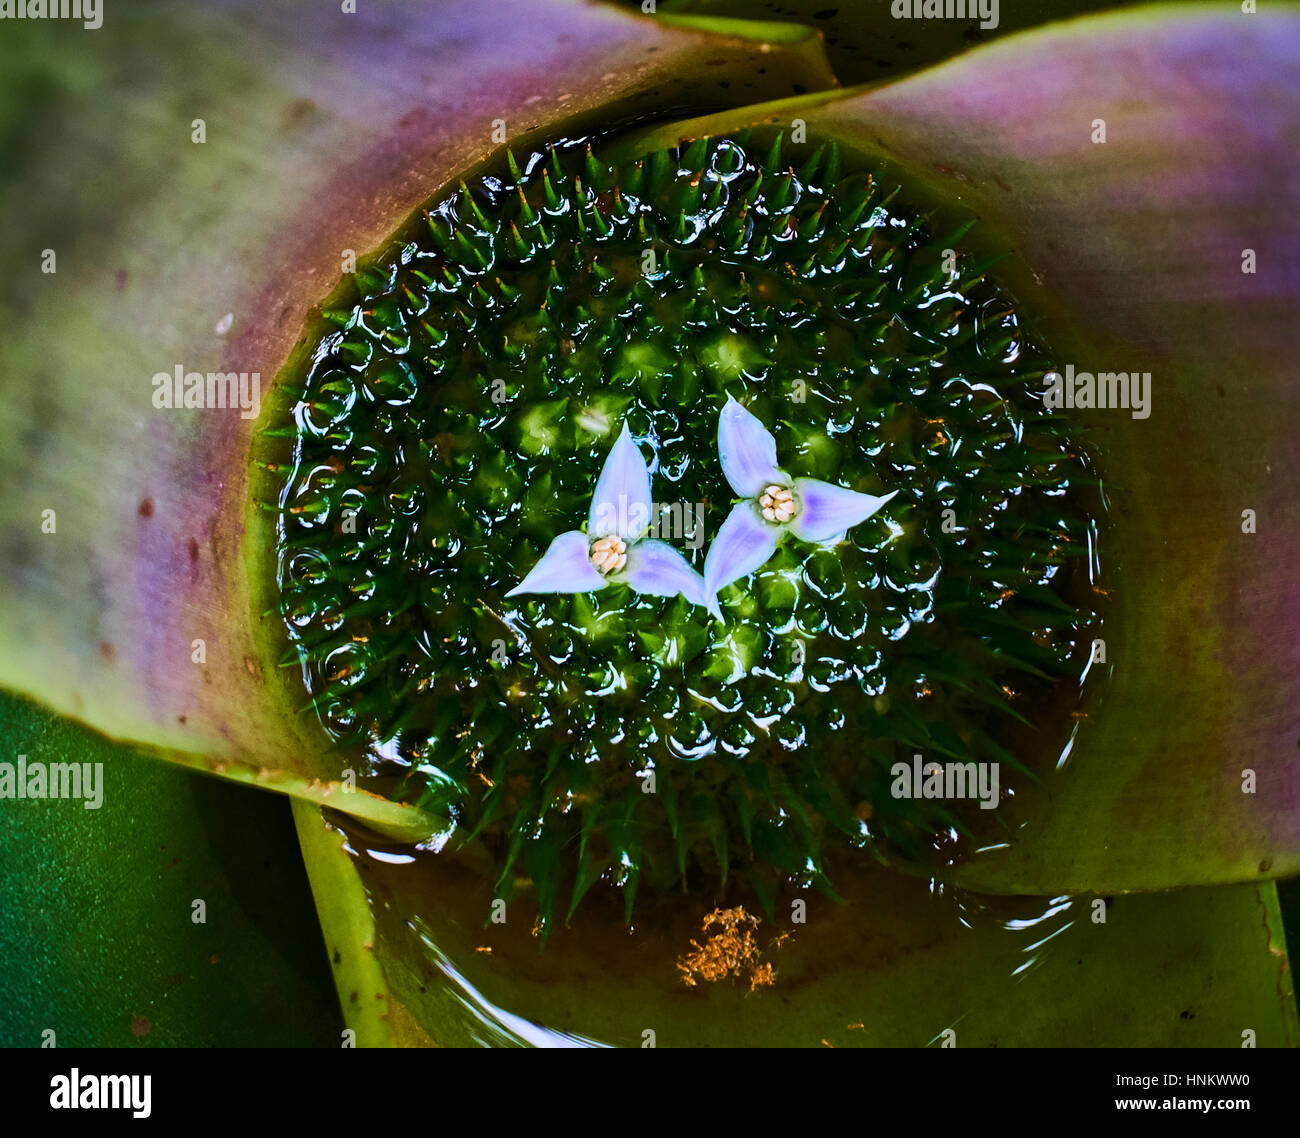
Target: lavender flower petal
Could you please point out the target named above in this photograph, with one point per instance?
(827, 511)
(659, 570)
(747, 450)
(743, 543)
(565, 567)
(620, 503)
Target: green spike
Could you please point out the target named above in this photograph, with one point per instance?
(514, 167)
(694, 156)
(437, 336)
(520, 249)
(470, 251)
(310, 508)
(537, 231)
(553, 200)
(811, 227)
(526, 211)
(340, 316)
(282, 468)
(782, 195)
(745, 816)
(632, 179)
(951, 240)
(467, 202)
(589, 871)
(833, 254)
(831, 175)
(977, 272)
(774, 153)
(849, 222)
(691, 198)
(598, 173)
(439, 229)
(809, 170)
(734, 235)
(659, 169)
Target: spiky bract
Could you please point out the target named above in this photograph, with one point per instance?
(458, 408)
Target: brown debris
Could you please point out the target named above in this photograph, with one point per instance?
(731, 951)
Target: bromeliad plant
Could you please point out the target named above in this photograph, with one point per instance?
(404, 502)
(532, 287)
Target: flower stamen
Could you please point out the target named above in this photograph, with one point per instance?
(609, 554)
(778, 504)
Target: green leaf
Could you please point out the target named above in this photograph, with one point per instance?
(99, 941)
(895, 967)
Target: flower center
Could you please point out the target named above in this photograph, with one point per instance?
(609, 554)
(778, 504)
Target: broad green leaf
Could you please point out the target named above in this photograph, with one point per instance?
(895, 967)
(100, 943)
(140, 598)
(1128, 256)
